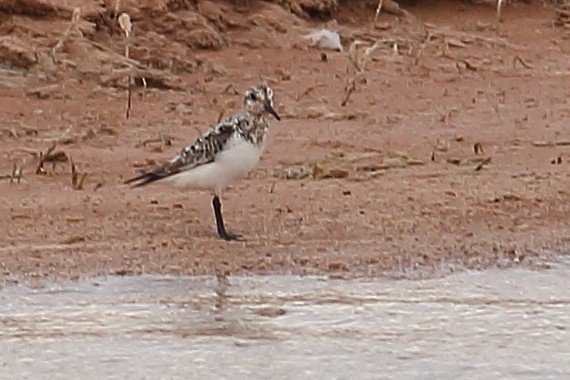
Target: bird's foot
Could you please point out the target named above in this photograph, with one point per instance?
(228, 236)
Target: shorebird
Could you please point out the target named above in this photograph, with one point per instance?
(222, 154)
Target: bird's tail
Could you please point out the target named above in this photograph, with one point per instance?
(143, 179)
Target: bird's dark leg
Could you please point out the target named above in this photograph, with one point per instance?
(217, 205)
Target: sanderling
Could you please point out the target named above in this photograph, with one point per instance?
(227, 151)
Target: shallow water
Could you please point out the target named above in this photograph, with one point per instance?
(475, 325)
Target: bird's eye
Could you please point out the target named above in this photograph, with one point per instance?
(251, 96)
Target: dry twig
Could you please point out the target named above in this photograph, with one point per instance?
(482, 164)
(51, 155)
(348, 90)
(519, 59)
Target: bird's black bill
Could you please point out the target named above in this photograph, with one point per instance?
(270, 109)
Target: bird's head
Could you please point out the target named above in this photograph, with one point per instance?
(258, 100)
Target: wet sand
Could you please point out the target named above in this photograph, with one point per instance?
(414, 199)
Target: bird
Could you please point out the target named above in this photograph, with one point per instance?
(222, 154)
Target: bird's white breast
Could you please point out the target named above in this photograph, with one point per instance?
(236, 159)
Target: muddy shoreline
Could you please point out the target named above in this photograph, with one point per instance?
(449, 154)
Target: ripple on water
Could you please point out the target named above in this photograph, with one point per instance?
(473, 325)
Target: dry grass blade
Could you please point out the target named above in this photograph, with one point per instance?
(143, 79)
(127, 27)
(419, 54)
(129, 98)
(478, 148)
(13, 173)
(77, 179)
(75, 16)
(220, 116)
(378, 10)
(367, 53)
(557, 160)
(519, 59)
(482, 164)
(353, 55)
(499, 8)
(358, 58)
(117, 7)
(44, 158)
(308, 90)
(348, 90)
(470, 66)
(16, 174)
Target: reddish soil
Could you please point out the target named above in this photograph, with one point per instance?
(414, 198)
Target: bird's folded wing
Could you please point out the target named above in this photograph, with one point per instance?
(202, 151)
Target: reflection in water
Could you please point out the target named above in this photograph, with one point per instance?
(474, 325)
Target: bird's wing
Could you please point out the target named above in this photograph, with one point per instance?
(202, 151)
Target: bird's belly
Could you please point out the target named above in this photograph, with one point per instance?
(229, 164)
(240, 159)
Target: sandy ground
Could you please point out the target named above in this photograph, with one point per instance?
(413, 197)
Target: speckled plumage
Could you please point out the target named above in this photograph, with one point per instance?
(222, 154)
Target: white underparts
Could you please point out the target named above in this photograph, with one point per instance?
(237, 159)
